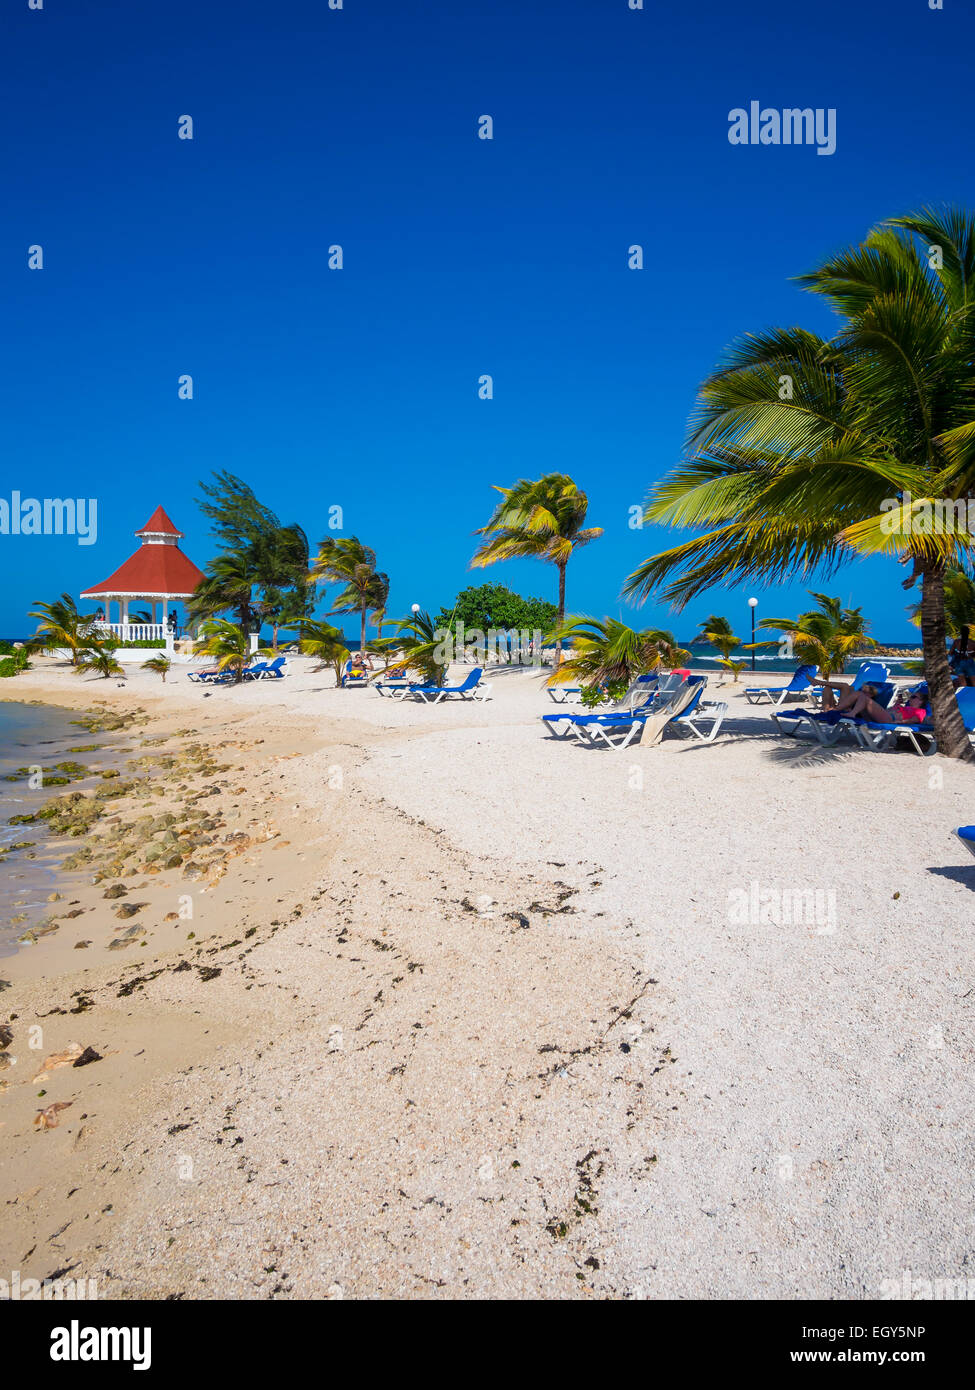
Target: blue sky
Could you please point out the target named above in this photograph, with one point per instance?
(358, 387)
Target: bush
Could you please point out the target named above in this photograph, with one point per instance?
(13, 665)
(154, 643)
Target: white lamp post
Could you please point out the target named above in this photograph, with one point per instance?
(753, 604)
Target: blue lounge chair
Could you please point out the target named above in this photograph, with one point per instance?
(826, 726)
(394, 689)
(789, 721)
(471, 688)
(618, 728)
(348, 679)
(562, 725)
(255, 672)
(275, 670)
(800, 684)
(966, 833)
(883, 737)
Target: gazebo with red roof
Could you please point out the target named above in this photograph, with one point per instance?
(158, 572)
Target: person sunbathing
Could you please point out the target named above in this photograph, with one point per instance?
(839, 698)
(910, 709)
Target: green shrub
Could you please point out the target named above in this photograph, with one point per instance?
(13, 665)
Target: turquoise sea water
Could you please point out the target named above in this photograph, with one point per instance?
(705, 658)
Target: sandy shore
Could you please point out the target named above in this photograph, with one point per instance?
(467, 1012)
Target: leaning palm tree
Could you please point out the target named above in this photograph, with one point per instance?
(100, 658)
(718, 632)
(227, 587)
(826, 637)
(425, 647)
(610, 654)
(325, 642)
(544, 519)
(806, 452)
(228, 643)
(61, 625)
(345, 560)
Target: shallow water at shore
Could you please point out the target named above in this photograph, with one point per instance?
(33, 736)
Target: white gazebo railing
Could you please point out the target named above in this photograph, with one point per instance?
(133, 632)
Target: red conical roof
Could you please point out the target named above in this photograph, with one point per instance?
(160, 525)
(157, 569)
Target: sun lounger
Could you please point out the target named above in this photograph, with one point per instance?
(273, 671)
(699, 712)
(647, 726)
(884, 737)
(966, 833)
(800, 684)
(471, 688)
(361, 676)
(618, 728)
(564, 725)
(826, 726)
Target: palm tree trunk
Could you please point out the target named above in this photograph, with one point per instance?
(561, 616)
(362, 636)
(949, 727)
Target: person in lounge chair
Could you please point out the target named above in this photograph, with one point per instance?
(910, 709)
(839, 698)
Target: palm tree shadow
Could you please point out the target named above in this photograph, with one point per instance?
(809, 754)
(963, 874)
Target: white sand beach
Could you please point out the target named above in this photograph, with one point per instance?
(488, 1023)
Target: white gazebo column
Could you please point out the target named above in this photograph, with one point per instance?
(164, 617)
(124, 615)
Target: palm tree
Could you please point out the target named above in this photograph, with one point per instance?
(609, 653)
(61, 625)
(806, 452)
(544, 519)
(228, 643)
(826, 637)
(345, 560)
(325, 642)
(278, 561)
(959, 603)
(228, 587)
(718, 632)
(100, 658)
(424, 644)
(160, 664)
